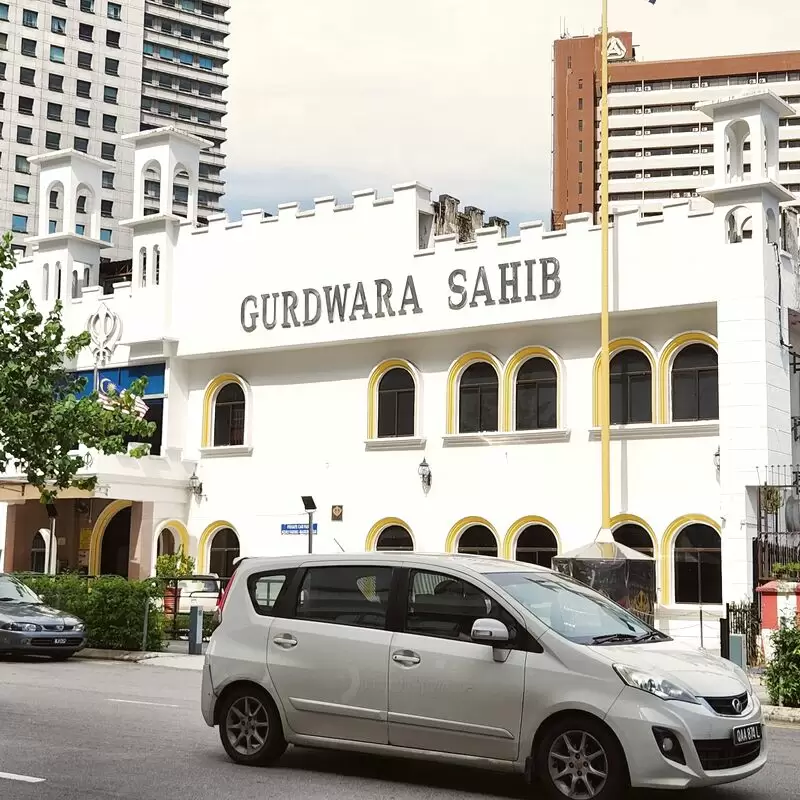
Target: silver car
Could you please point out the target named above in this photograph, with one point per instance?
(29, 627)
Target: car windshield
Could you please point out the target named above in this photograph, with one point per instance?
(573, 610)
(12, 591)
(200, 586)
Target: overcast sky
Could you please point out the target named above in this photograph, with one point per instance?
(331, 96)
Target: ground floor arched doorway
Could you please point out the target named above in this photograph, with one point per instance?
(116, 545)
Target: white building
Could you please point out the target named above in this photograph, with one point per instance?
(83, 73)
(329, 352)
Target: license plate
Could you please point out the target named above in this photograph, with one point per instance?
(61, 641)
(746, 734)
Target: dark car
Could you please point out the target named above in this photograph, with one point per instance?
(29, 627)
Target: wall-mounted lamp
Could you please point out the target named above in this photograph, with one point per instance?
(195, 485)
(424, 472)
(716, 459)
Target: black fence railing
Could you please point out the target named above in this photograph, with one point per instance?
(776, 550)
(743, 619)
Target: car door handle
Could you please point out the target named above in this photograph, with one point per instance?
(285, 641)
(406, 658)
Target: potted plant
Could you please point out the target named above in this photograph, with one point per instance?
(169, 568)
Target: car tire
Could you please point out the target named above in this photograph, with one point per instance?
(579, 749)
(250, 727)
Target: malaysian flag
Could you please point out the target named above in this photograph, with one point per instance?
(140, 408)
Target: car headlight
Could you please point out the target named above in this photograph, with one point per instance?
(79, 626)
(22, 627)
(654, 684)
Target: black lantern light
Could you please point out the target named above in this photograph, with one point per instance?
(424, 472)
(195, 485)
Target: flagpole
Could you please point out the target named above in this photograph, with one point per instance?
(604, 394)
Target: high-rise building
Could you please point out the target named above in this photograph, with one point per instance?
(660, 147)
(78, 74)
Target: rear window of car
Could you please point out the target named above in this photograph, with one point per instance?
(266, 588)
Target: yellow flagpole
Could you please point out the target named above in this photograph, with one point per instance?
(605, 432)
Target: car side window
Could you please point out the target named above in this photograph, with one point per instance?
(348, 595)
(265, 589)
(447, 607)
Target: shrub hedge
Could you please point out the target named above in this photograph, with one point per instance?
(112, 608)
(782, 676)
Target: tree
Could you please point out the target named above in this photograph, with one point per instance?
(42, 416)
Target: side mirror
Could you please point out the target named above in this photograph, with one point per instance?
(490, 631)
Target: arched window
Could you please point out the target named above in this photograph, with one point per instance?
(698, 565)
(87, 276)
(478, 540)
(224, 549)
(478, 399)
(166, 543)
(635, 537)
(58, 281)
(631, 388)
(156, 265)
(396, 404)
(46, 282)
(229, 412)
(143, 267)
(695, 384)
(537, 399)
(38, 554)
(75, 284)
(394, 537)
(537, 544)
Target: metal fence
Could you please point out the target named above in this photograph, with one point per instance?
(743, 619)
(777, 544)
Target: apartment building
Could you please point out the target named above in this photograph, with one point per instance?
(660, 146)
(78, 74)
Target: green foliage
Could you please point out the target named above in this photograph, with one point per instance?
(771, 499)
(782, 676)
(790, 570)
(112, 608)
(42, 419)
(177, 565)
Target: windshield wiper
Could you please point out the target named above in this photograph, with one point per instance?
(652, 636)
(608, 638)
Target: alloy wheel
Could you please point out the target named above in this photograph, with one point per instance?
(578, 765)
(247, 726)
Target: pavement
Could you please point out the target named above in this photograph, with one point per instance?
(91, 729)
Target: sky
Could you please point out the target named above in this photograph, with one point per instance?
(328, 97)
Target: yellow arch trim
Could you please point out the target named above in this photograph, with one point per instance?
(510, 542)
(631, 519)
(375, 531)
(99, 530)
(617, 346)
(671, 349)
(210, 395)
(454, 376)
(451, 542)
(205, 540)
(510, 378)
(372, 391)
(178, 527)
(667, 540)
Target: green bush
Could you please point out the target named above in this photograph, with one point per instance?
(791, 570)
(782, 675)
(112, 608)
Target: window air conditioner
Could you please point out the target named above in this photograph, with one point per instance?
(695, 172)
(676, 194)
(638, 89)
(695, 150)
(647, 111)
(648, 152)
(705, 172)
(639, 111)
(687, 194)
(704, 84)
(638, 154)
(646, 133)
(648, 175)
(695, 129)
(695, 85)
(762, 80)
(751, 80)
(648, 88)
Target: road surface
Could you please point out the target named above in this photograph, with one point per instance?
(104, 731)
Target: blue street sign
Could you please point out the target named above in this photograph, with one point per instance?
(296, 529)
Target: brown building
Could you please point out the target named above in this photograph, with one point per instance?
(660, 148)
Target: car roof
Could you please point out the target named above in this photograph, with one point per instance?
(474, 563)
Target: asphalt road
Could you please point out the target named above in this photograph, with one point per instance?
(99, 731)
